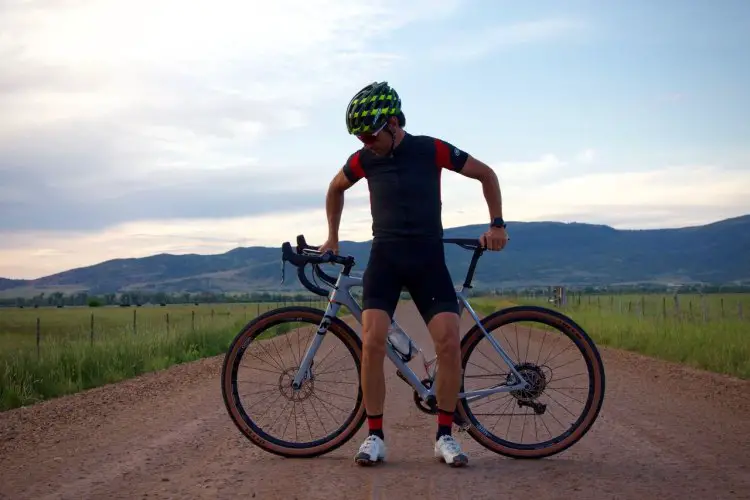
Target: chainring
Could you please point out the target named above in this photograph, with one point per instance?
(430, 409)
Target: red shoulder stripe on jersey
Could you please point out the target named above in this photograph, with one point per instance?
(442, 155)
(356, 166)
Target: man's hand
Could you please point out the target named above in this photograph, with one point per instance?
(494, 239)
(331, 244)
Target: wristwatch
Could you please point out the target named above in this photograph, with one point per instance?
(498, 222)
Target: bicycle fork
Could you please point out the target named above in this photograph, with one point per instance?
(304, 372)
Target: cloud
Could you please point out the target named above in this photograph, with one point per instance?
(477, 44)
(666, 197)
(26, 254)
(552, 188)
(520, 172)
(113, 112)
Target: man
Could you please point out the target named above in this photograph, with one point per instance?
(403, 172)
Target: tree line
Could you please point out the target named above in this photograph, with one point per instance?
(139, 298)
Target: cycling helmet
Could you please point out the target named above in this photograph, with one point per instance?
(371, 107)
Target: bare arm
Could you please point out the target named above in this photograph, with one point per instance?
(335, 203)
(478, 170)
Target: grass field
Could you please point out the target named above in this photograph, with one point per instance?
(125, 342)
(710, 332)
(68, 355)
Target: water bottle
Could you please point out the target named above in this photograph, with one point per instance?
(401, 342)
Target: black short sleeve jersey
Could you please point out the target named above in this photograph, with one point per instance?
(405, 192)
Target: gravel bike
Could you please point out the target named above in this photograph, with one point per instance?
(304, 375)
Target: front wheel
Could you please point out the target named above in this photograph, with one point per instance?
(561, 364)
(260, 365)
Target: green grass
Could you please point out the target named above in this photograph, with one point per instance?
(703, 332)
(67, 360)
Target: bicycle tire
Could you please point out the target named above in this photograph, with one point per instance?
(248, 427)
(596, 376)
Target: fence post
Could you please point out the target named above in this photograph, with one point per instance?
(664, 307)
(38, 336)
(643, 306)
(167, 323)
(192, 320)
(135, 321)
(91, 333)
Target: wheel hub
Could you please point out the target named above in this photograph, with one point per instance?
(286, 389)
(536, 379)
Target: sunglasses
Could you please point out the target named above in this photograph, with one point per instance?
(371, 138)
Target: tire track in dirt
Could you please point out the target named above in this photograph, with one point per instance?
(665, 431)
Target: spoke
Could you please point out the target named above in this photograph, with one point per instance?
(263, 361)
(490, 360)
(346, 354)
(337, 394)
(567, 395)
(261, 344)
(481, 367)
(319, 419)
(328, 404)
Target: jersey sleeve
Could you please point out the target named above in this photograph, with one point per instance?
(353, 168)
(449, 156)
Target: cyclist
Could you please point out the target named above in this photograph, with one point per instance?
(403, 172)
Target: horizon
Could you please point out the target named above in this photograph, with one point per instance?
(124, 135)
(293, 238)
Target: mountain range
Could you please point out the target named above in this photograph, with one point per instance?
(539, 253)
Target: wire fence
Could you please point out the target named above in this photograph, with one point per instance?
(24, 329)
(688, 307)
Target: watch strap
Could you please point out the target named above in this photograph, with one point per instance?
(498, 222)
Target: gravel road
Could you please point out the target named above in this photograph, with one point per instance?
(665, 431)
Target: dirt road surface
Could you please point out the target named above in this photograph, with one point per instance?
(664, 432)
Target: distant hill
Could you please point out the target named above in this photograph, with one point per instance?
(6, 283)
(540, 253)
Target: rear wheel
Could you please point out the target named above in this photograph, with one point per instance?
(566, 371)
(260, 365)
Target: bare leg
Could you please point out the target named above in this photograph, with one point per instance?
(375, 325)
(444, 329)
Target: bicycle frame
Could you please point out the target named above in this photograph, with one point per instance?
(340, 295)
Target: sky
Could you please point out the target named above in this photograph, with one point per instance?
(134, 128)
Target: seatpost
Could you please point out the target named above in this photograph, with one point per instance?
(472, 266)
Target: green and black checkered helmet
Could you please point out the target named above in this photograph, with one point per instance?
(370, 107)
